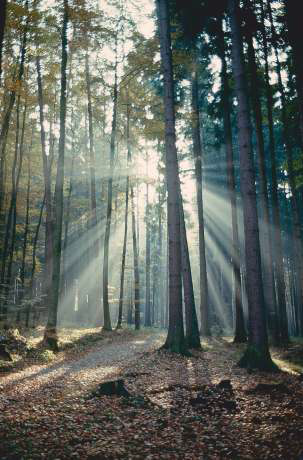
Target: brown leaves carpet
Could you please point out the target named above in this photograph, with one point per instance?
(176, 410)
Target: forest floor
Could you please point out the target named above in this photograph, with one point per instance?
(197, 407)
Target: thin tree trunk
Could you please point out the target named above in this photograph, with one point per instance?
(147, 319)
(8, 113)
(8, 228)
(240, 333)
(2, 27)
(121, 298)
(106, 311)
(95, 294)
(12, 216)
(197, 149)
(46, 161)
(161, 268)
(136, 262)
(35, 242)
(66, 225)
(50, 333)
(257, 354)
(192, 335)
(26, 229)
(175, 340)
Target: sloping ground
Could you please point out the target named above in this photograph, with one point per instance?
(179, 408)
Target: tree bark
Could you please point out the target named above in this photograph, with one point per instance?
(147, 319)
(294, 200)
(10, 232)
(136, 262)
(46, 161)
(192, 335)
(106, 311)
(266, 234)
(162, 271)
(25, 238)
(50, 333)
(8, 113)
(66, 226)
(175, 340)
(257, 354)
(35, 243)
(276, 232)
(95, 247)
(2, 27)
(121, 297)
(294, 25)
(197, 149)
(240, 332)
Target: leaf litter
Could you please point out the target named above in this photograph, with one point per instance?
(198, 407)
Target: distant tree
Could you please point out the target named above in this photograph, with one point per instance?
(3, 4)
(147, 319)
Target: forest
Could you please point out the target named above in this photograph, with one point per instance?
(151, 229)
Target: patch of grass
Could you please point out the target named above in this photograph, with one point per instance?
(46, 356)
(41, 355)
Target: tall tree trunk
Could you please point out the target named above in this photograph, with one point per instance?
(10, 232)
(8, 113)
(175, 340)
(197, 149)
(8, 228)
(294, 200)
(192, 335)
(46, 161)
(136, 262)
(240, 333)
(19, 154)
(147, 322)
(95, 247)
(35, 243)
(257, 354)
(107, 321)
(266, 234)
(25, 236)
(2, 27)
(50, 333)
(121, 298)
(294, 25)
(66, 225)
(162, 270)
(277, 237)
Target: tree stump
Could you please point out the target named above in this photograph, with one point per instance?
(111, 388)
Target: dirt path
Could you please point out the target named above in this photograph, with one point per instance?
(40, 404)
(176, 410)
(77, 374)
